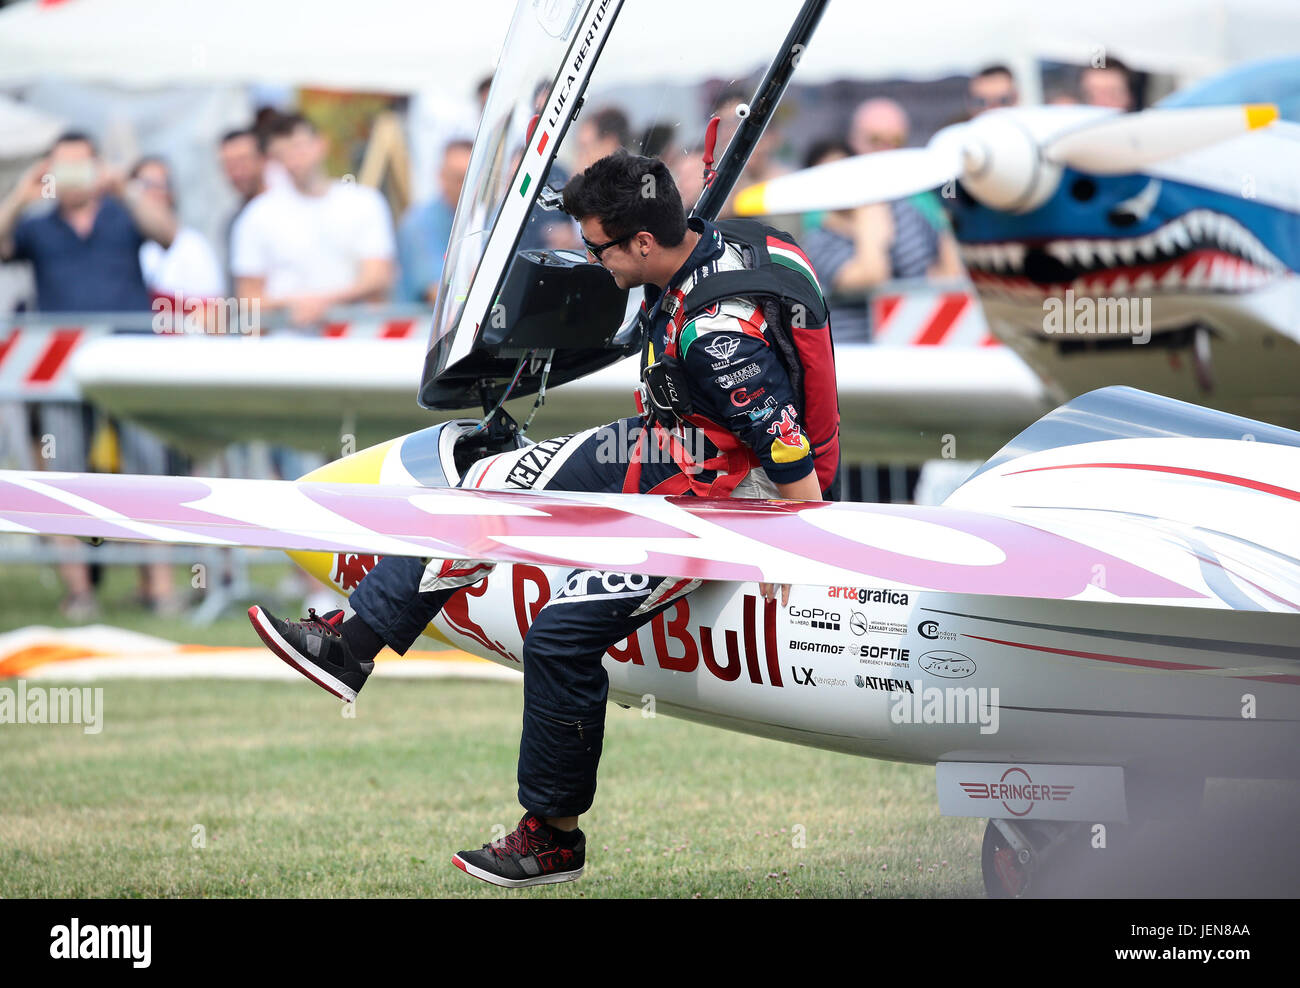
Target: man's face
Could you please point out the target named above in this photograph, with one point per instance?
(76, 170)
(728, 124)
(688, 175)
(878, 126)
(152, 177)
(1106, 87)
(592, 146)
(623, 261)
(242, 163)
(301, 153)
(455, 163)
(991, 91)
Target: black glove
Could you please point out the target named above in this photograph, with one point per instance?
(666, 391)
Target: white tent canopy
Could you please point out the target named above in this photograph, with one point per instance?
(25, 131)
(401, 46)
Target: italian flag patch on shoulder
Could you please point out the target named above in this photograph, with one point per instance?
(789, 255)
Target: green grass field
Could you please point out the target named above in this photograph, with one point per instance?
(294, 799)
(30, 594)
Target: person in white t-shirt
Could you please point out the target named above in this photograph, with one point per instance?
(305, 246)
(188, 267)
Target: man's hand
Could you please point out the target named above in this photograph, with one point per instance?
(804, 489)
(112, 182)
(31, 186)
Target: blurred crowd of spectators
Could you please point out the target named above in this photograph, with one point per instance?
(300, 242)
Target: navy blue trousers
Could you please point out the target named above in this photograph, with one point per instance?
(566, 687)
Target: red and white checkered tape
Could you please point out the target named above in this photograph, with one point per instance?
(929, 318)
(34, 361)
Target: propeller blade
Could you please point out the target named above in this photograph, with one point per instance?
(1130, 141)
(867, 178)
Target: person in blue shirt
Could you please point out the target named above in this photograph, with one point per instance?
(85, 255)
(425, 230)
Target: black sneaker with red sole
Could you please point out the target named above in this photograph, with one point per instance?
(529, 856)
(315, 647)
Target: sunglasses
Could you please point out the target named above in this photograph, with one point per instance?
(595, 250)
(884, 141)
(984, 102)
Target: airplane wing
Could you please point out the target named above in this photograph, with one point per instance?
(205, 392)
(852, 546)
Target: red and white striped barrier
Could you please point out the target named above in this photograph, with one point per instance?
(34, 361)
(387, 329)
(927, 317)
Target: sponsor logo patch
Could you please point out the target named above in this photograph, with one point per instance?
(723, 348)
(803, 676)
(1016, 791)
(947, 665)
(867, 595)
(883, 685)
(528, 468)
(790, 444)
(931, 630)
(592, 583)
(738, 376)
(821, 648)
(880, 655)
(743, 396)
(815, 617)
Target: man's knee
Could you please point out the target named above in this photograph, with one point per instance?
(563, 668)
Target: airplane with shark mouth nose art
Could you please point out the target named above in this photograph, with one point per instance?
(1158, 249)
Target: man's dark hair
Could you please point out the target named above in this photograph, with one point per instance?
(236, 134)
(282, 125)
(732, 94)
(75, 137)
(616, 191)
(1108, 64)
(998, 69)
(1132, 80)
(824, 147)
(657, 138)
(610, 121)
(153, 159)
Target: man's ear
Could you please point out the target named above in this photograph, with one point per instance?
(645, 242)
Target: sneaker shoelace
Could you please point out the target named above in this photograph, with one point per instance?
(520, 842)
(329, 625)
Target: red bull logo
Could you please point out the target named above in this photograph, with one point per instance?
(350, 569)
(786, 430)
(790, 444)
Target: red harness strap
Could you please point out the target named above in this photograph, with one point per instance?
(732, 464)
(734, 459)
